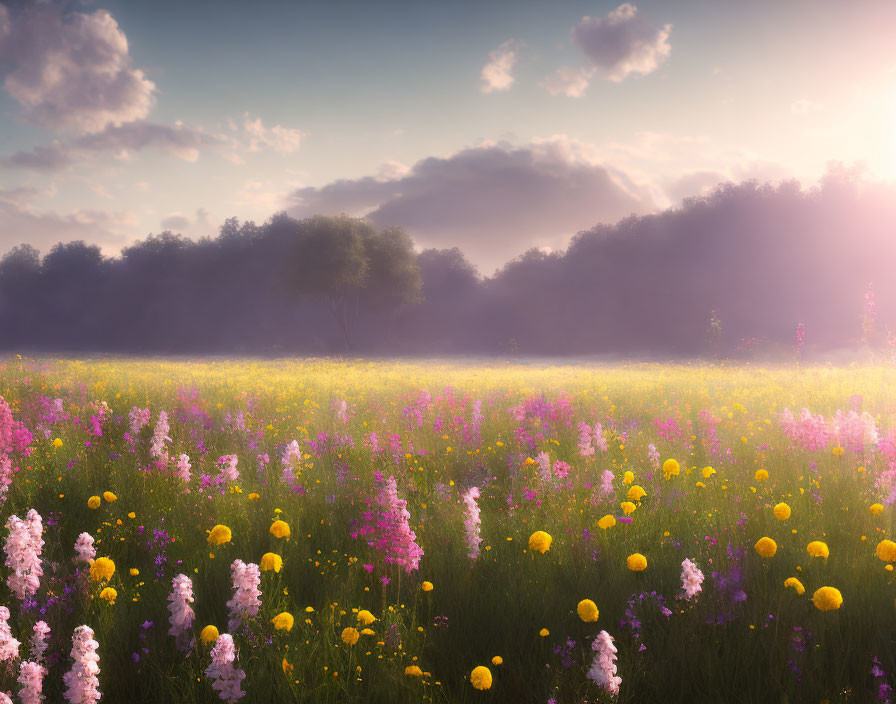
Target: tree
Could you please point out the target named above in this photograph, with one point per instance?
(349, 265)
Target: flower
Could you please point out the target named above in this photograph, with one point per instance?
(254, 496)
(587, 610)
(544, 633)
(628, 477)
(94, 502)
(481, 678)
(607, 521)
(671, 468)
(134, 572)
(818, 549)
(708, 472)
(102, 569)
(109, 497)
(782, 511)
(280, 529)
(219, 535)
(209, 634)
(227, 677)
(350, 635)
(413, 671)
(766, 547)
(497, 660)
(761, 475)
(886, 550)
(636, 562)
(181, 615)
(627, 507)
(827, 599)
(636, 493)
(109, 594)
(271, 561)
(691, 579)
(876, 509)
(57, 442)
(603, 667)
(365, 618)
(426, 586)
(540, 541)
(283, 621)
(795, 584)
(82, 681)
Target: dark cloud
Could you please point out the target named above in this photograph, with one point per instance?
(493, 201)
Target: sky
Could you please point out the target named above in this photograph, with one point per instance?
(495, 127)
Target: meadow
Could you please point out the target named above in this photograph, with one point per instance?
(401, 531)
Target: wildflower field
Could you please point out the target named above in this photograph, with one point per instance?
(349, 531)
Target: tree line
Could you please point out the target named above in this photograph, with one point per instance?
(740, 267)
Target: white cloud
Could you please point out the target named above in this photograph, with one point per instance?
(571, 82)
(281, 139)
(497, 74)
(198, 226)
(622, 43)
(71, 72)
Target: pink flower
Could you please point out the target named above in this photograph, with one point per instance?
(691, 579)
(246, 594)
(84, 548)
(603, 668)
(81, 681)
(472, 522)
(227, 678)
(182, 615)
(9, 646)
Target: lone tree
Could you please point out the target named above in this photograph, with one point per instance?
(351, 266)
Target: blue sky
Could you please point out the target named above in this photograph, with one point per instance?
(118, 119)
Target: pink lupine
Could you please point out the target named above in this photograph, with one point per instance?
(246, 594)
(23, 548)
(4, 698)
(600, 442)
(137, 418)
(183, 468)
(227, 464)
(543, 460)
(653, 456)
(586, 449)
(341, 410)
(691, 579)
(31, 677)
(182, 615)
(84, 550)
(472, 522)
(227, 678)
(39, 640)
(159, 437)
(9, 646)
(606, 482)
(561, 469)
(603, 668)
(292, 455)
(81, 681)
(394, 535)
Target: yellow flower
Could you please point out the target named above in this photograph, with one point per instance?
(708, 472)
(838, 451)
(364, 631)
(876, 509)
(627, 507)
(57, 442)
(671, 468)
(350, 635)
(607, 521)
(636, 493)
(766, 547)
(132, 515)
(94, 502)
(426, 586)
(761, 475)
(827, 599)
(782, 511)
(209, 634)
(544, 633)
(102, 569)
(287, 667)
(109, 497)
(219, 535)
(795, 584)
(280, 529)
(413, 671)
(365, 618)
(636, 562)
(271, 561)
(587, 610)
(283, 621)
(109, 594)
(497, 660)
(628, 477)
(134, 571)
(818, 549)
(540, 541)
(481, 678)
(886, 550)
(254, 497)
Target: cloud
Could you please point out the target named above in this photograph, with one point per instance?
(571, 82)
(71, 71)
(622, 43)
(281, 139)
(494, 201)
(196, 227)
(21, 224)
(497, 74)
(180, 141)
